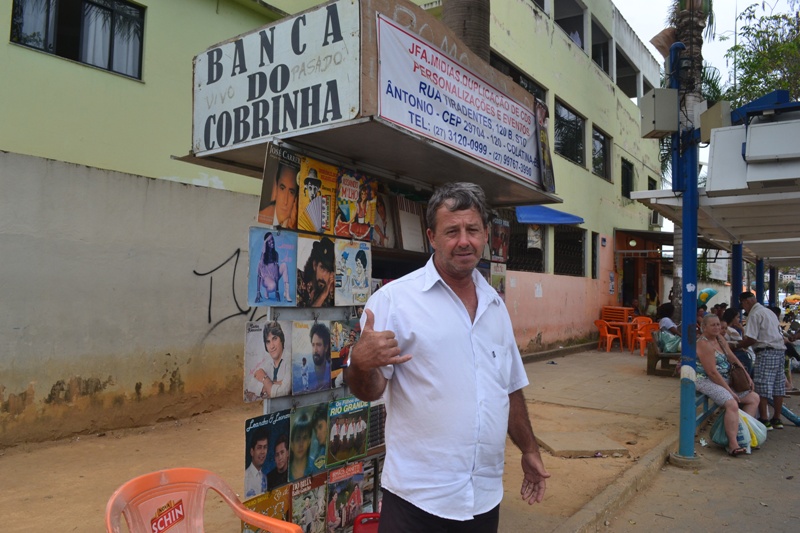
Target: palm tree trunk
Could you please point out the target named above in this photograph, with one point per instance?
(469, 19)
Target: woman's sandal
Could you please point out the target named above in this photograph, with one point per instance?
(736, 452)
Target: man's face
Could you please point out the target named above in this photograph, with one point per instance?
(274, 346)
(320, 351)
(312, 190)
(258, 453)
(458, 241)
(322, 276)
(281, 457)
(286, 195)
(747, 304)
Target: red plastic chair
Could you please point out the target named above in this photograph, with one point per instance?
(174, 499)
(636, 323)
(366, 523)
(607, 335)
(644, 336)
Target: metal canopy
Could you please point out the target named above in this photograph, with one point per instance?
(766, 224)
(666, 238)
(539, 214)
(396, 154)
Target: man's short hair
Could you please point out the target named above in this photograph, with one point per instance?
(322, 253)
(457, 196)
(745, 295)
(283, 438)
(274, 328)
(259, 434)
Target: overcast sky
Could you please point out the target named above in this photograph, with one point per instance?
(648, 17)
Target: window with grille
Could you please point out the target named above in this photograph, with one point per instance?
(515, 74)
(569, 131)
(568, 250)
(103, 33)
(520, 256)
(601, 154)
(627, 178)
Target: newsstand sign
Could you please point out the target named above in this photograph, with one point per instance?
(298, 74)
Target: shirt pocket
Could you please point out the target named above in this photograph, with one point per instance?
(500, 366)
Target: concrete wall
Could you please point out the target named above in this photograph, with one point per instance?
(114, 314)
(530, 40)
(68, 111)
(549, 311)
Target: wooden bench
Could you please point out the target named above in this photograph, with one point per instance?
(704, 407)
(612, 313)
(661, 363)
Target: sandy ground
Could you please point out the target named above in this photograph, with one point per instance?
(758, 492)
(69, 482)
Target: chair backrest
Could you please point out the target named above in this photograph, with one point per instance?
(639, 321)
(647, 331)
(173, 500)
(602, 325)
(366, 523)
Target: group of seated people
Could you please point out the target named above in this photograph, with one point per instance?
(719, 348)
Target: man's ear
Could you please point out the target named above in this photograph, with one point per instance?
(429, 234)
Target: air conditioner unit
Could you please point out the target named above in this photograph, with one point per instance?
(656, 219)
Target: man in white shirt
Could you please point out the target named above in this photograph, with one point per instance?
(439, 342)
(763, 332)
(255, 481)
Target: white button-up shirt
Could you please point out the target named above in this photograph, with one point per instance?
(447, 408)
(763, 326)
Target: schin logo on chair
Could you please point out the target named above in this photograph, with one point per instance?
(167, 516)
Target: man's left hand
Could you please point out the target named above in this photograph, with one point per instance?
(533, 484)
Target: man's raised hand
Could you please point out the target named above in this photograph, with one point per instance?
(376, 348)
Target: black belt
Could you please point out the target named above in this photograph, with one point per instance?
(759, 350)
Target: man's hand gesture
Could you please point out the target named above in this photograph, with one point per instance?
(375, 348)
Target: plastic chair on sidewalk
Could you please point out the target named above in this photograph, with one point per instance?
(636, 323)
(174, 499)
(644, 336)
(366, 523)
(607, 334)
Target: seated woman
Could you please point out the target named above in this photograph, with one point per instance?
(664, 318)
(714, 361)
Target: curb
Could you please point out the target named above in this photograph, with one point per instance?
(558, 352)
(592, 516)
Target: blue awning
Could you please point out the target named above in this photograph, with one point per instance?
(539, 214)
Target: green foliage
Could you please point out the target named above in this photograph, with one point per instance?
(790, 287)
(766, 57)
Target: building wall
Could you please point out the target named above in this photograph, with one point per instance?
(125, 298)
(68, 111)
(549, 311)
(530, 40)
(124, 271)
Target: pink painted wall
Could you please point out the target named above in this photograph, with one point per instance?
(549, 311)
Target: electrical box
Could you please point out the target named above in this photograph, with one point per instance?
(717, 116)
(659, 113)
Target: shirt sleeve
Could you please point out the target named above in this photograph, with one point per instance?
(380, 305)
(518, 378)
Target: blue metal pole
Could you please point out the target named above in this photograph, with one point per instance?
(760, 280)
(773, 286)
(689, 310)
(736, 274)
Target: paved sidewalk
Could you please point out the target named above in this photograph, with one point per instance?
(69, 482)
